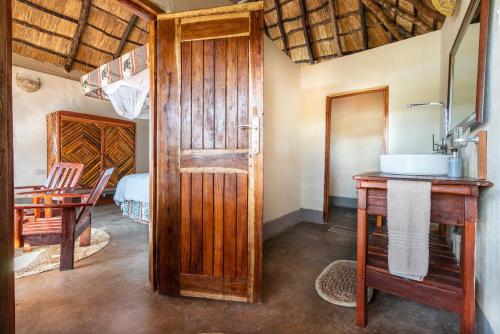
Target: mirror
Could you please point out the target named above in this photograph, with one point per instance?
(467, 71)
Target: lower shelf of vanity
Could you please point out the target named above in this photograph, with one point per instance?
(442, 287)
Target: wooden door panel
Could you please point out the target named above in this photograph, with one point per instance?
(199, 157)
(81, 143)
(212, 28)
(241, 226)
(210, 155)
(52, 140)
(119, 152)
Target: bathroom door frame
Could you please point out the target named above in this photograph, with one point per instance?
(141, 8)
(328, 129)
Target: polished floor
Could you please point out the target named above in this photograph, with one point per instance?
(108, 292)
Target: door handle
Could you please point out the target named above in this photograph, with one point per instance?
(247, 126)
(255, 136)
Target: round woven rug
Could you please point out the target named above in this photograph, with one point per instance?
(337, 284)
(46, 258)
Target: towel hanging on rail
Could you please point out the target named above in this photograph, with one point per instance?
(408, 223)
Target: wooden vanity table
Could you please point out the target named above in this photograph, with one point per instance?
(449, 285)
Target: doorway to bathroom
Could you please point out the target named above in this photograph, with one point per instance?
(356, 135)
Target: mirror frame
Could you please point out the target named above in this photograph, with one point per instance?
(477, 117)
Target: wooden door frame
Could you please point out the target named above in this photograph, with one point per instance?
(328, 128)
(142, 8)
(7, 303)
(149, 11)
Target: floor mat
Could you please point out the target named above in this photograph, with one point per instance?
(46, 258)
(337, 284)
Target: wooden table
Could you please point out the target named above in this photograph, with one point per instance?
(448, 285)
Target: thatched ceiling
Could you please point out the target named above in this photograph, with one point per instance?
(312, 31)
(75, 34)
(83, 34)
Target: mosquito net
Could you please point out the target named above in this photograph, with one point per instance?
(130, 96)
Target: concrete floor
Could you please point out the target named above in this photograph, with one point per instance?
(108, 292)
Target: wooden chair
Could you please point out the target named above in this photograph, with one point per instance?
(63, 176)
(64, 229)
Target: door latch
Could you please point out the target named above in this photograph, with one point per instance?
(255, 135)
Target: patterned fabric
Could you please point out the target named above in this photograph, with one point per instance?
(126, 66)
(136, 210)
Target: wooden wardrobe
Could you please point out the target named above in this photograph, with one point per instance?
(97, 142)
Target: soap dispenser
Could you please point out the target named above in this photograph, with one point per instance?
(454, 164)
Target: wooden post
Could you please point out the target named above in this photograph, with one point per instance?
(361, 260)
(482, 155)
(152, 160)
(68, 239)
(7, 306)
(86, 236)
(468, 266)
(48, 212)
(18, 228)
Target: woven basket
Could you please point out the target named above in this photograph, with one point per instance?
(445, 7)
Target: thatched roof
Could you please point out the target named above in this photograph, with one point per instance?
(84, 34)
(75, 34)
(312, 31)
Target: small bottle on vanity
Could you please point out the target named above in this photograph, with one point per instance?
(454, 164)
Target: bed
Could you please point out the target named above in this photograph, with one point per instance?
(132, 196)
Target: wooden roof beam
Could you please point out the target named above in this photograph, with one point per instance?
(303, 19)
(67, 18)
(277, 7)
(386, 21)
(82, 22)
(333, 16)
(28, 25)
(125, 36)
(364, 28)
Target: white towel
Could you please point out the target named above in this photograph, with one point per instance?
(408, 221)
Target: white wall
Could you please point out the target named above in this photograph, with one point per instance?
(281, 133)
(410, 70)
(181, 5)
(356, 141)
(30, 131)
(488, 228)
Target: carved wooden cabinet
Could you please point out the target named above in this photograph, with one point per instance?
(97, 142)
(448, 285)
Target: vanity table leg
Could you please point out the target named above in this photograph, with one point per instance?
(361, 260)
(468, 267)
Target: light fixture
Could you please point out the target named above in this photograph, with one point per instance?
(29, 85)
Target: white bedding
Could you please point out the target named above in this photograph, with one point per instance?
(133, 187)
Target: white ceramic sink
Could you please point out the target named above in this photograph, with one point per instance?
(415, 164)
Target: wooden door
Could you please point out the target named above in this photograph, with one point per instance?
(209, 153)
(81, 143)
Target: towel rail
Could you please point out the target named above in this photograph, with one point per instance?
(453, 202)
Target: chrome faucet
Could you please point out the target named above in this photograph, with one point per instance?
(459, 138)
(443, 107)
(439, 148)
